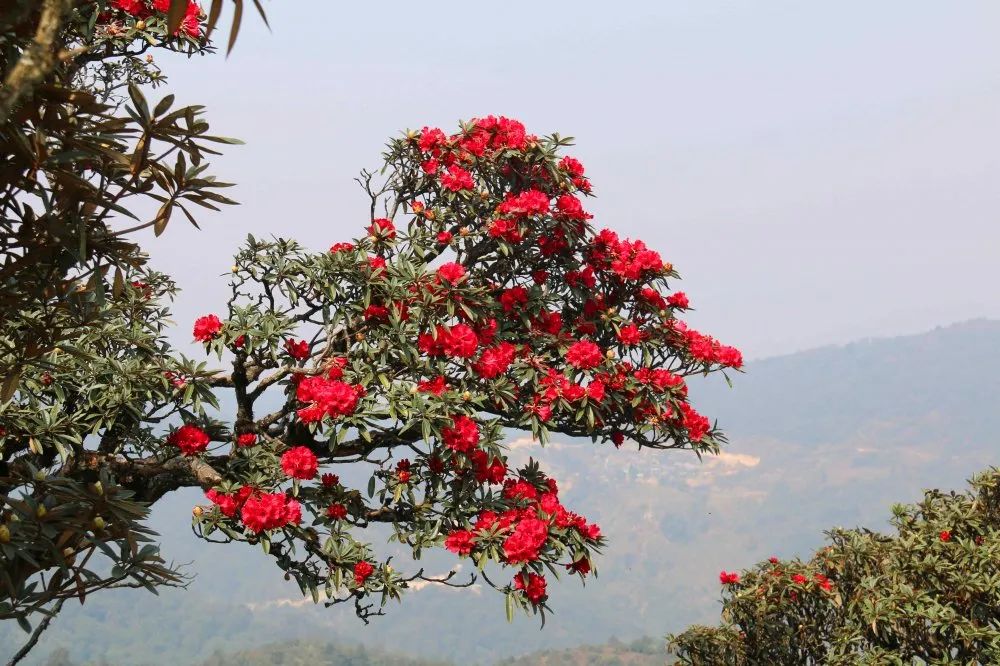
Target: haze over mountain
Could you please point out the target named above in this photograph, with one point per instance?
(820, 438)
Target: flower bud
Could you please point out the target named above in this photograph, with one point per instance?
(98, 487)
(98, 523)
(466, 396)
(4, 534)
(610, 354)
(234, 268)
(140, 25)
(41, 511)
(197, 511)
(39, 475)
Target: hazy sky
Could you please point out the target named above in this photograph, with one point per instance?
(818, 172)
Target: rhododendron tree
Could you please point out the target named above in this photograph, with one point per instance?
(928, 594)
(480, 299)
(376, 381)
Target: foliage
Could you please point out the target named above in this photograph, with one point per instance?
(82, 357)
(928, 594)
(82, 151)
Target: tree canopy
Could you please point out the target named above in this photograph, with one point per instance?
(928, 594)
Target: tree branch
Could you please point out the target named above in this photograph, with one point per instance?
(36, 634)
(38, 60)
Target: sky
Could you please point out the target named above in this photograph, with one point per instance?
(817, 172)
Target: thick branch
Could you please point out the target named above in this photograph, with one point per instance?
(38, 60)
(152, 478)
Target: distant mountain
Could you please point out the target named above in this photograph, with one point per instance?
(642, 652)
(820, 438)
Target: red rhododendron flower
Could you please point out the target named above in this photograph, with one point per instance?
(463, 435)
(382, 228)
(519, 489)
(269, 511)
(513, 297)
(580, 566)
(299, 462)
(499, 133)
(229, 505)
(629, 335)
(679, 300)
(337, 511)
(329, 480)
(527, 203)
(523, 544)
(206, 328)
(532, 585)
(461, 341)
(362, 570)
(945, 535)
(570, 208)
(326, 397)
(596, 390)
(191, 25)
(341, 247)
(299, 350)
(436, 386)
(246, 439)
(652, 298)
(572, 166)
(729, 578)
(487, 471)
(486, 330)
(799, 579)
(451, 272)
(495, 361)
(135, 8)
(460, 542)
(457, 179)
(431, 138)
(444, 237)
(584, 355)
(189, 438)
(696, 424)
(506, 229)
(377, 312)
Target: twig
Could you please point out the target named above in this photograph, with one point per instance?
(36, 634)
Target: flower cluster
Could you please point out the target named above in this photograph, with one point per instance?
(190, 439)
(326, 397)
(144, 9)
